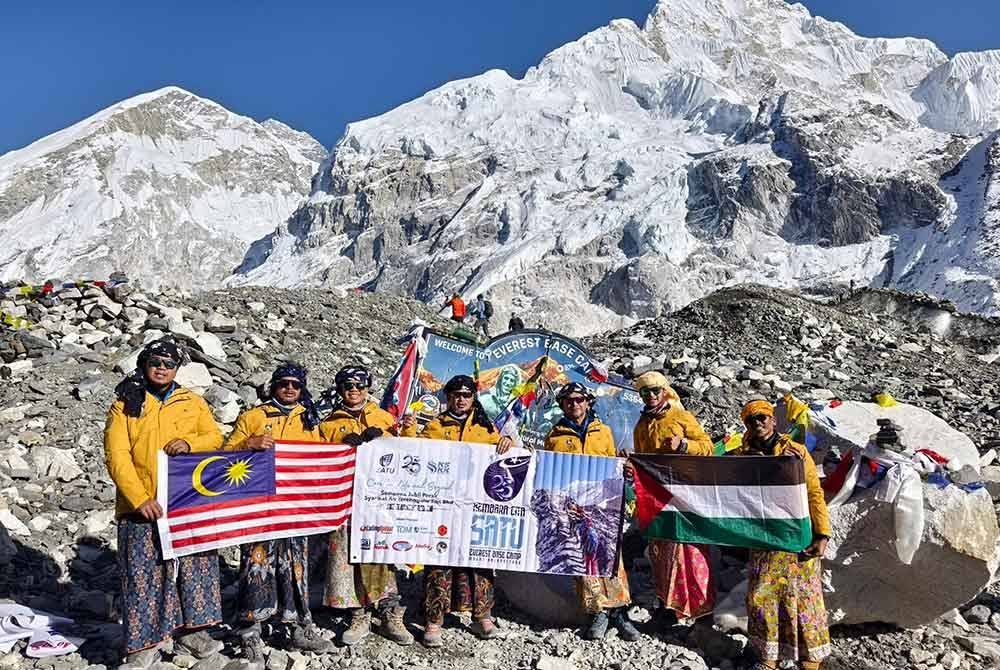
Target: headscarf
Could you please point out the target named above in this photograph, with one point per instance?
(131, 390)
(467, 383)
(289, 370)
(353, 373)
(755, 407)
(655, 379)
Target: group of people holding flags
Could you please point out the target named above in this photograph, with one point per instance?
(180, 599)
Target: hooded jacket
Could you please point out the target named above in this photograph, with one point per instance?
(344, 422)
(653, 432)
(132, 443)
(267, 419)
(597, 441)
(447, 427)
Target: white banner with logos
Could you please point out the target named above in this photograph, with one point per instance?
(435, 502)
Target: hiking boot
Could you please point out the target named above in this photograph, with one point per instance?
(626, 631)
(251, 653)
(141, 660)
(393, 628)
(665, 618)
(484, 629)
(432, 635)
(198, 644)
(307, 638)
(598, 627)
(360, 628)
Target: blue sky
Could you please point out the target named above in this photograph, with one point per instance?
(318, 65)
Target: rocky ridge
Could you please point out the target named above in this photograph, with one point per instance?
(58, 547)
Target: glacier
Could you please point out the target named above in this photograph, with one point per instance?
(639, 168)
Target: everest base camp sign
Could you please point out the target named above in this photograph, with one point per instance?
(443, 503)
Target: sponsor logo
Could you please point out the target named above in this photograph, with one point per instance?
(439, 467)
(442, 547)
(366, 544)
(442, 530)
(382, 530)
(411, 464)
(504, 479)
(385, 466)
(421, 545)
(381, 545)
(401, 545)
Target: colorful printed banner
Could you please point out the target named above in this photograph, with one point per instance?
(456, 504)
(519, 374)
(759, 502)
(225, 498)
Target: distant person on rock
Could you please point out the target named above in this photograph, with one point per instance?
(356, 420)
(459, 589)
(515, 323)
(786, 617)
(457, 308)
(274, 575)
(681, 572)
(160, 599)
(482, 311)
(580, 431)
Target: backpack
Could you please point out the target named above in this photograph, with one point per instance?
(487, 308)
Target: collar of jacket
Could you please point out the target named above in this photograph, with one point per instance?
(579, 429)
(767, 447)
(659, 410)
(343, 412)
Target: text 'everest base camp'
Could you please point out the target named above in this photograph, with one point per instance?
(734, 217)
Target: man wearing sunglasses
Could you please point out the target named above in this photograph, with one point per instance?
(681, 572)
(781, 583)
(274, 575)
(459, 589)
(580, 431)
(152, 413)
(356, 420)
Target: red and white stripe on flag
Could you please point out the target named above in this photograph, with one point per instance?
(313, 483)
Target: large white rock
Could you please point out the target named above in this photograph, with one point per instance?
(211, 345)
(851, 423)
(194, 376)
(864, 580)
(53, 462)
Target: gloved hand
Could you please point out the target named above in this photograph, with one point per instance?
(371, 433)
(352, 439)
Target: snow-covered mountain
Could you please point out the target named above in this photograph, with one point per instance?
(166, 186)
(637, 169)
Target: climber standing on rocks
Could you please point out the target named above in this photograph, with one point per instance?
(274, 575)
(356, 420)
(580, 431)
(681, 572)
(482, 310)
(159, 598)
(786, 616)
(459, 589)
(457, 308)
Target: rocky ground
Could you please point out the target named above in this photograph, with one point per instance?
(57, 551)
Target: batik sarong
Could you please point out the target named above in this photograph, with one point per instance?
(160, 597)
(457, 590)
(786, 616)
(352, 586)
(682, 576)
(274, 581)
(603, 593)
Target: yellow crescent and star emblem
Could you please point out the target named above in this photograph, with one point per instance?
(237, 474)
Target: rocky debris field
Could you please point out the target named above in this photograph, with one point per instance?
(57, 534)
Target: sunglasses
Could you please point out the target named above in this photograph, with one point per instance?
(758, 418)
(167, 363)
(650, 391)
(461, 394)
(291, 383)
(352, 386)
(574, 400)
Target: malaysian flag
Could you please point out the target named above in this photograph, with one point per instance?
(225, 498)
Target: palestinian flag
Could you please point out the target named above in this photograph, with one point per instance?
(758, 502)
